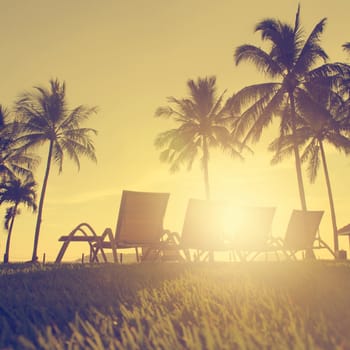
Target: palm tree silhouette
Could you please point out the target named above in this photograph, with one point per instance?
(203, 121)
(323, 117)
(14, 161)
(45, 118)
(16, 192)
(289, 63)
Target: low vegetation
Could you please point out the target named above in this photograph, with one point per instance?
(299, 305)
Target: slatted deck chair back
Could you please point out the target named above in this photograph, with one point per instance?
(303, 232)
(203, 225)
(302, 229)
(140, 218)
(140, 221)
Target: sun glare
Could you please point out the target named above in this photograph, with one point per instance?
(235, 219)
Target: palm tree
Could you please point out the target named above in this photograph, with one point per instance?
(45, 118)
(14, 160)
(203, 123)
(290, 63)
(16, 192)
(323, 117)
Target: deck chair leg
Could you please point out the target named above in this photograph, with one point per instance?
(61, 252)
(240, 255)
(323, 244)
(103, 255)
(91, 257)
(255, 255)
(93, 254)
(115, 254)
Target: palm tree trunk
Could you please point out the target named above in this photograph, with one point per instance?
(8, 241)
(297, 157)
(330, 198)
(206, 181)
(41, 204)
(309, 253)
(206, 167)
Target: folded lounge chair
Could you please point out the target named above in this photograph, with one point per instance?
(139, 225)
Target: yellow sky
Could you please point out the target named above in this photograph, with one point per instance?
(126, 57)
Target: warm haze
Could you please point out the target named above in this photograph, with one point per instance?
(126, 58)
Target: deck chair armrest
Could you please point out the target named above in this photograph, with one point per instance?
(278, 241)
(171, 237)
(85, 233)
(107, 233)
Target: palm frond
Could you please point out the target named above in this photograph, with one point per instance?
(260, 115)
(311, 51)
(346, 47)
(203, 94)
(327, 71)
(167, 112)
(339, 141)
(76, 117)
(283, 148)
(251, 94)
(269, 29)
(263, 61)
(314, 162)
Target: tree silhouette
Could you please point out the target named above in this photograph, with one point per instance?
(45, 118)
(203, 120)
(323, 117)
(290, 64)
(14, 160)
(16, 192)
(346, 47)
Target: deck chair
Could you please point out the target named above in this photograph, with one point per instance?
(139, 225)
(303, 233)
(252, 234)
(202, 231)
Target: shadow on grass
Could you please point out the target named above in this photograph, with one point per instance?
(34, 297)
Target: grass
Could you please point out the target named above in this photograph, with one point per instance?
(277, 305)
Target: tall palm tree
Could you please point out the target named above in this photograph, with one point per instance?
(45, 118)
(14, 160)
(16, 192)
(203, 120)
(323, 117)
(290, 63)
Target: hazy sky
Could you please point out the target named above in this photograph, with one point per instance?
(126, 57)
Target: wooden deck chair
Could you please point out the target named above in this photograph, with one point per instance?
(203, 229)
(252, 234)
(139, 225)
(303, 233)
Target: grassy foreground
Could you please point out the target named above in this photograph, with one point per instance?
(284, 305)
